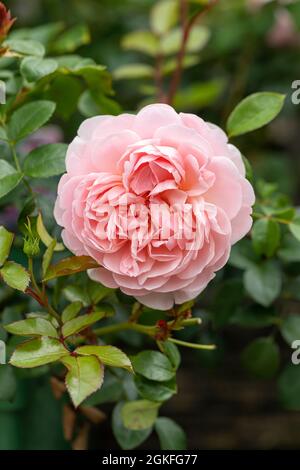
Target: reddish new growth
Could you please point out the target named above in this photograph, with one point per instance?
(6, 21)
(162, 330)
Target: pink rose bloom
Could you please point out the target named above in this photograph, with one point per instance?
(157, 199)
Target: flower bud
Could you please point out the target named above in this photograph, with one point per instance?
(31, 246)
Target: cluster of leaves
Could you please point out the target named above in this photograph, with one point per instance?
(159, 46)
(266, 295)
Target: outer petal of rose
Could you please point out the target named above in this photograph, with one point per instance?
(194, 122)
(226, 191)
(197, 265)
(72, 243)
(241, 224)
(152, 117)
(156, 300)
(174, 135)
(133, 282)
(66, 190)
(78, 158)
(106, 153)
(87, 127)
(248, 193)
(174, 284)
(235, 155)
(113, 125)
(217, 137)
(103, 276)
(58, 211)
(195, 288)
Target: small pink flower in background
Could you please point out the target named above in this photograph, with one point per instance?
(284, 32)
(46, 135)
(121, 168)
(256, 5)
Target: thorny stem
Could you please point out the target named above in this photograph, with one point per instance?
(14, 154)
(152, 331)
(18, 166)
(147, 330)
(187, 26)
(31, 272)
(256, 215)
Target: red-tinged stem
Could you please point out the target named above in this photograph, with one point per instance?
(187, 26)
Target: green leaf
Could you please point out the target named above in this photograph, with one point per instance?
(32, 327)
(72, 265)
(80, 323)
(126, 438)
(44, 33)
(263, 282)
(290, 249)
(97, 292)
(198, 38)
(48, 255)
(139, 414)
(261, 357)
(171, 435)
(73, 61)
(47, 160)
(38, 352)
(77, 293)
(164, 16)
(110, 392)
(153, 365)
(199, 95)
(253, 317)
(9, 178)
(242, 255)
(155, 391)
(286, 214)
(254, 112)
(142, 41)
(45, 237)
(66, 104)
(35, 68)
(290, 328)
(265, 237)
(29, 118)
(109, 355)
(228, 297)
(170, 64)
(71, 311)
(84, 377)
(26, 47)
(70, 40)
(6, 239)
(172, 352)
(87, 105)
(294, 227)
(289, 387)
(96, 77)
(27, 210)
(133, 71)
(8, 383)
(15, 276)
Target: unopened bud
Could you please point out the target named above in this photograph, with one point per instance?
(31, 246)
